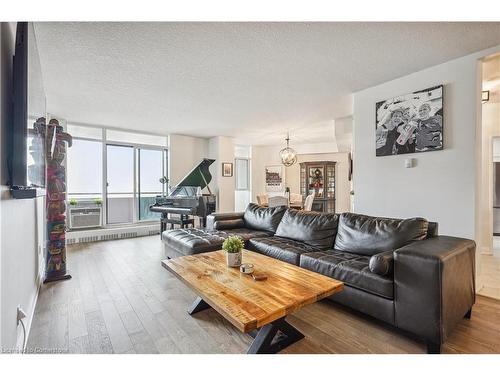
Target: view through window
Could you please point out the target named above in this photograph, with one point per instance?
(84, 170)
(105, 168)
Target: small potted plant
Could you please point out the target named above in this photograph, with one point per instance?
(98, 201)
(73, 202)
(233, 246)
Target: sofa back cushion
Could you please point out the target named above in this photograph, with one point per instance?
(313, 228)
(370, 235)
(260, 218)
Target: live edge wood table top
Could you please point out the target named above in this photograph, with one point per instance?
(248, 304)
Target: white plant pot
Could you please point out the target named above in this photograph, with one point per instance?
(233, 259)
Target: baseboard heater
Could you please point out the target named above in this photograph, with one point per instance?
(106, 234)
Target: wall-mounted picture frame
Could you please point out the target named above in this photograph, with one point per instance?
(410, 123)
(227, 169)
(275, 178)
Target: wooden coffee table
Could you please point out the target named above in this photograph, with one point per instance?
(255, 307)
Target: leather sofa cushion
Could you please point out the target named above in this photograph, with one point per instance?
(194, 241)
(260, 218)
(382, 263)
(352, 269)
(313, 228)
(280, 248)
(370, 235)
(229, 224)
(245, 233)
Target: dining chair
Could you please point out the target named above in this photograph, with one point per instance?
(309, 202)
(262, 199)
(278, 201)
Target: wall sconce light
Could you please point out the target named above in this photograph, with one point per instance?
(485, 96)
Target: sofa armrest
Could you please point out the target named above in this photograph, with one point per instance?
(434, 281)
(217, 219)
(382, 263)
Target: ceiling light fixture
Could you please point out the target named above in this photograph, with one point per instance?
(288, 155)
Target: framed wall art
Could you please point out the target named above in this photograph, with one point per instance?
(227, 169)
(275, 178)
(410, 123)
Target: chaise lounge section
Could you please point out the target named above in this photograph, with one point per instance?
(397, 270)
(255, 222)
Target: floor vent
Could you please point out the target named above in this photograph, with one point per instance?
(84, 236)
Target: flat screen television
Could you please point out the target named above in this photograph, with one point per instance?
(27, 146)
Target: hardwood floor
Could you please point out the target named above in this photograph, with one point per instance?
(120, 300)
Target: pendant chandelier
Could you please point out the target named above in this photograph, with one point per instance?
(288, 155)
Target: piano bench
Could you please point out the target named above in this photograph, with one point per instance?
(183, 221)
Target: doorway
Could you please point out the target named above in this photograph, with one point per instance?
(134, 176)
(490, 206)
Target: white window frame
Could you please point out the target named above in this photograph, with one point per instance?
(136, 147)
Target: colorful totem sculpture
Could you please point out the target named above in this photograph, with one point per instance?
(56, 143)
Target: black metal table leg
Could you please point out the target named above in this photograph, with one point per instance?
(197, 306)
(274, 337)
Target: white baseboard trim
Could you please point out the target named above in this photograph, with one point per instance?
(105, 234)
(486, 250)
(479, 283)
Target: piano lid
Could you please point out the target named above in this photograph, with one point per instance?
(199, 175)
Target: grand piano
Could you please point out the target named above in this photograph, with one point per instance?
(186, 198)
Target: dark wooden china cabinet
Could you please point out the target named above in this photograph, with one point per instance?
(318, 177)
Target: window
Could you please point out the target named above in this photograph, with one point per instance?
(152, 166)
(122, 169)
(242, 174)
(87, 132)
(120, 184)
(136, 138)
(242, 177)
(84, 170)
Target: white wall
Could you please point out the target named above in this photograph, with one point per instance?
(343, 133)
(445, 186)
(222, 150)
(185, 153)
(442, 185)
(18, 239)
(263, 156)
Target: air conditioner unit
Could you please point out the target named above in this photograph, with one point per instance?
(85, 217)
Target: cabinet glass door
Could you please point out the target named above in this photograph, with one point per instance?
(330, 181)
(316, 181)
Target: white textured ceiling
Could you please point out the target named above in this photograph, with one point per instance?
(252, 81)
